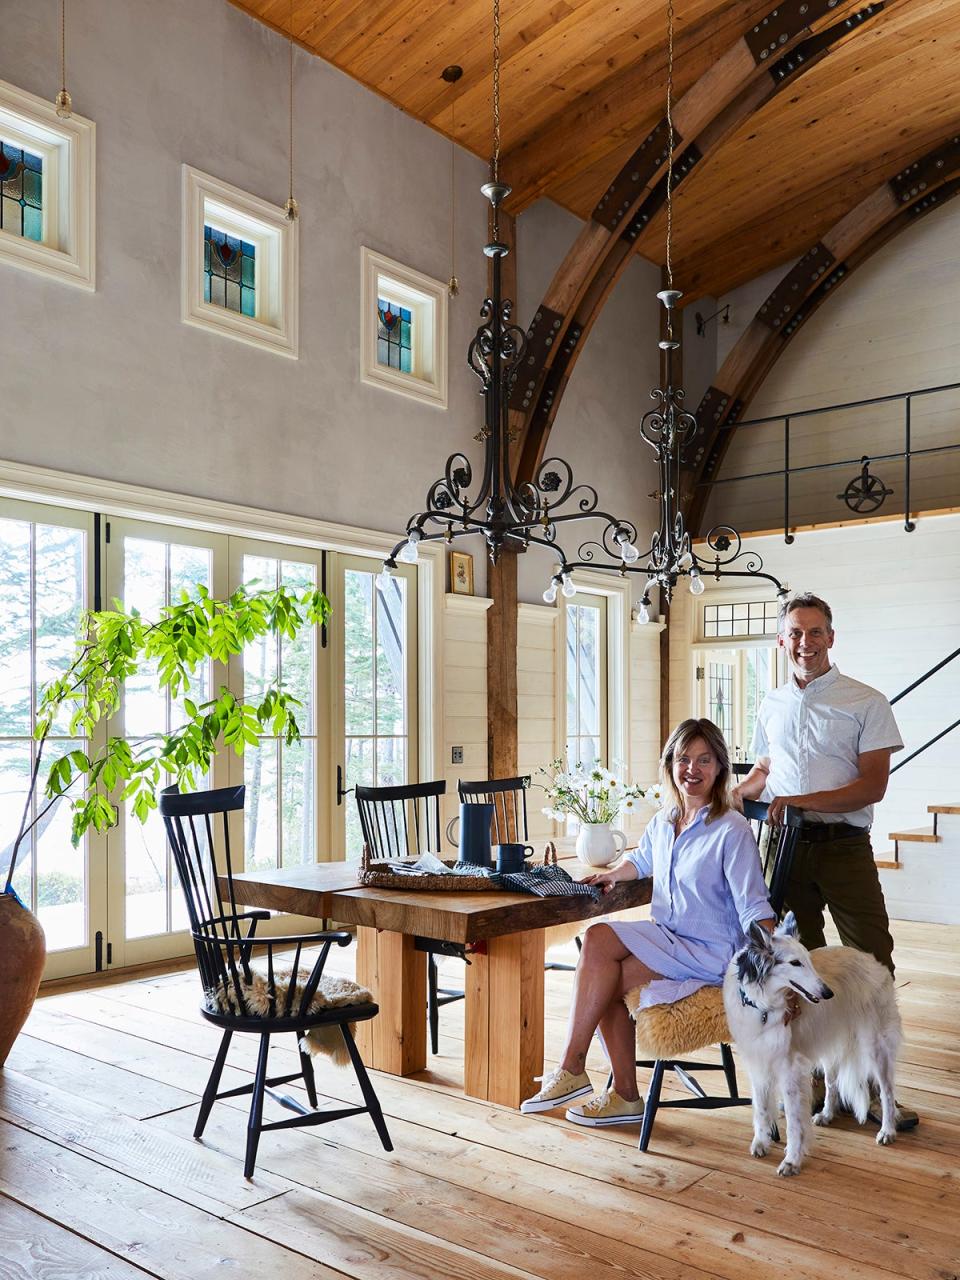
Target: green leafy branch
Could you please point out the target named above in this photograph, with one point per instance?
(112, 647)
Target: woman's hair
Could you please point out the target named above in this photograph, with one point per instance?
(678, 742)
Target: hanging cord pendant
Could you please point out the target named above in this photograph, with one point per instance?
(63, 102)
(451, 75)
(291, 208)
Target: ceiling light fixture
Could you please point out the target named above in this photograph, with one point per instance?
(504, 512)
(668, 428)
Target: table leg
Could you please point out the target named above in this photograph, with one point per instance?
(396, 1039)
(504, 1019)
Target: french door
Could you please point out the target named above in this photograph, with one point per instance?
(46, 572)
(115, 900)
(374, 674)
(731, 685)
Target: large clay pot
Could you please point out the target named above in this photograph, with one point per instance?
(23, 950)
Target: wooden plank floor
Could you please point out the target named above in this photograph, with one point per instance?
(100, 1177)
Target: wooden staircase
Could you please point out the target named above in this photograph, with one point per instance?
(916, 835)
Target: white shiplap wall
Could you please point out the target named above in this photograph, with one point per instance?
(896, 603)
(464, 691)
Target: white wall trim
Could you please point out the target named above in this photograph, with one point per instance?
(427, 298)
(61, 488)
(456, 602)
(67, 251)
(617, 590)
(544, 615)
(208, 200)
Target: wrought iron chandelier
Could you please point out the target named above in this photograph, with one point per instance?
(505, 513)
(533, 513)
(668, 428)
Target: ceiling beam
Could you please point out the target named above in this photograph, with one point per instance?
(926, 183)
(726, 96)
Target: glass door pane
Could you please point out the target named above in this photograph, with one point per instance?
(150, 566)
(377, 685)
(586, 729)
(281, 814)
(44, 554)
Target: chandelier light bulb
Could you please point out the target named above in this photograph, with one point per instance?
(550, 595)
(697, 584)
(643, 613)
(383, 578)
(568, 590)
(409, 553)
(629, 552)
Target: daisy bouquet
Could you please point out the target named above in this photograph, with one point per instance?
(586, 794)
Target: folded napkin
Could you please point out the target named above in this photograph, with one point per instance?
(547, 882)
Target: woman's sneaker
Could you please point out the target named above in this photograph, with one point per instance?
(559, 1086)
(607, 1108)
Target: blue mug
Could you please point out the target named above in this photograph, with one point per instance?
(510, 856)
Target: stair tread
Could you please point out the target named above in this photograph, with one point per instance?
(944, 808)
(922, 834)
(888, 864)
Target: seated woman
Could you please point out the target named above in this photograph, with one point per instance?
(708, 889)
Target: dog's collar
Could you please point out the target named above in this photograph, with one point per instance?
(790, 1012)
(746, 1002)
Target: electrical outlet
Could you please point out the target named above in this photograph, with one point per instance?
(457, 755)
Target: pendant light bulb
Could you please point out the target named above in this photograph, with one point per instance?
(643, 613)
(697, 584)
(383, 578)
(568, 590)
(628, 552)
(550, 595)
(409, 553)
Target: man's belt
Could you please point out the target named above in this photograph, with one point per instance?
(815, 832)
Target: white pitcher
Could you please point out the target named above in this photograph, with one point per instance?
(598, 844)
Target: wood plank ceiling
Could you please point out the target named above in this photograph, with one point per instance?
(583, 82)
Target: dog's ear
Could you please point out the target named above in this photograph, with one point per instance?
(788, 926)
(753, 965)
(759, 936)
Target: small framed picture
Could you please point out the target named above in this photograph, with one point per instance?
(461, 573)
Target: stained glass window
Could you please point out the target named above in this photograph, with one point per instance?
(394, 332)
(229, 272)
(720, 675)
(21, 192)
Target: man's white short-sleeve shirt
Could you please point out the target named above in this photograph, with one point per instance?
(813, 738)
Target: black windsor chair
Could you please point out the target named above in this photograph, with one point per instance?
(404, 822)
(198, 828)
(778, 847)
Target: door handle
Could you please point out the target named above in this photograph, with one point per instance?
(341, 789)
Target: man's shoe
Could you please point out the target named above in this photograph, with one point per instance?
(906, 1119)
(607, 1108)
(559, 1086)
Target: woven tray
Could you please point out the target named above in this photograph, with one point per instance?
(382, 876)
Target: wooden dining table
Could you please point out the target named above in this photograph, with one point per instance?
(503, 933)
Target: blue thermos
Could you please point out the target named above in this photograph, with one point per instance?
(475, 820)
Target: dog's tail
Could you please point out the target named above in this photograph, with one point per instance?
(853, 1087)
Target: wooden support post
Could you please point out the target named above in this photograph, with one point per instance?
(396, 1039)
(502, 750)
(504, 1019)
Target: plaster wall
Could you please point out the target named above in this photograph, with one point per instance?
(892, 327)
(113, 385)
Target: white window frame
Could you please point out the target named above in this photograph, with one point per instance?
(617, 593)
(209, 202)
(67, 251)
(426, 299)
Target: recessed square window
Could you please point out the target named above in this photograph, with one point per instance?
(403, 330)
(239, 264)
(47, 197)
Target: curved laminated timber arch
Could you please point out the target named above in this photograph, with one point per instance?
(925, 184)
(773, 52)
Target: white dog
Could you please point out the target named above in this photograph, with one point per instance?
(849, 1025)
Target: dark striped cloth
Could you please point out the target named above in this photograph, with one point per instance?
(547, 882)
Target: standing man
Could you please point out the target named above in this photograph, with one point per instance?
(822, 745)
